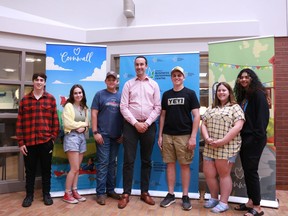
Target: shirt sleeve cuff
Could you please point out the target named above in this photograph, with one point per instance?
(134, 122)
(148, 122)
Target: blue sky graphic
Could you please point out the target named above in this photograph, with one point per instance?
(69, 64)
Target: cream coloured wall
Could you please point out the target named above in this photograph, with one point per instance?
(159, 26)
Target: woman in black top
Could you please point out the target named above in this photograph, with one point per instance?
(252, 97)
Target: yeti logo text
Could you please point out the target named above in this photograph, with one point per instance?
(176, 101)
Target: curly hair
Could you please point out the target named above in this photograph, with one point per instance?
(71, 96)
(242, 93)
(231, 98)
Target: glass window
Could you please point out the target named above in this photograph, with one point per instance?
(7, 132)
(204, 85)
(10, 65)
(9, 163)
(27, 89)
(35, 63)
(9, 98)
(15, 81)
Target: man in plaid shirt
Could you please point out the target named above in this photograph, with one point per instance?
(36, 130)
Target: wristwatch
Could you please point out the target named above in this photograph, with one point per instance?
(95, 132)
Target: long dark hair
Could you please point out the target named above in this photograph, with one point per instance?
(71, 96)
(231, 98)
(242, 93)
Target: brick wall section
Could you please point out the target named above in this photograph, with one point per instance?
(281, 111)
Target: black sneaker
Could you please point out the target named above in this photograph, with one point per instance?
(27, 201)
(168, 200)
(47, 199)
(186, 205)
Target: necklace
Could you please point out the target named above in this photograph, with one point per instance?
(79, 109)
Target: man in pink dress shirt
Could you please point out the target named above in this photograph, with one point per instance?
(140, 106)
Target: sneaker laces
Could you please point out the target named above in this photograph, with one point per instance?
(77, 196)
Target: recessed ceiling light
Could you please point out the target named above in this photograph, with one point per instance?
(33, 60)
(30, 60)
(9, 70)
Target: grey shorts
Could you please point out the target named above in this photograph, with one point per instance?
(230, 160)
(74, 141)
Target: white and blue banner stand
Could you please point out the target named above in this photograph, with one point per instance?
(66, 65)
(159, 67)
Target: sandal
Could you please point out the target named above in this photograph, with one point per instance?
(254, 212)
(242, 207)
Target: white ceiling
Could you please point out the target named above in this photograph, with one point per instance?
(84, 14)
(98, 21)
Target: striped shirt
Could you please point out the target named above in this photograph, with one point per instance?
(37, 120)
(219, 121)
(140, 100)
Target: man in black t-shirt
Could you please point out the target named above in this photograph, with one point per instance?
(177, 134)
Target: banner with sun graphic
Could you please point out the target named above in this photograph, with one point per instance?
(66, 65)
(159, 67)
(226, 59)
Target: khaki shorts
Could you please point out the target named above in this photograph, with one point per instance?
(175, 148)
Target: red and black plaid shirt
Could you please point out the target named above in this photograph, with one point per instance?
(37, 121)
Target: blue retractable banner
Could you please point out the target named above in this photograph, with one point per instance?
(66, 65)
(159, 67)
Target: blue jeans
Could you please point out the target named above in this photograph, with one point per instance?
(106, 165)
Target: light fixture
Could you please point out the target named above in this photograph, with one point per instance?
(9, 70)
(33, 59)
(30, 59)
(202, 74)
(129, 8)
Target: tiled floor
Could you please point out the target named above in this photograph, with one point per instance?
(10, 204)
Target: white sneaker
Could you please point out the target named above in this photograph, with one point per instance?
(221, 207)
(211, 203)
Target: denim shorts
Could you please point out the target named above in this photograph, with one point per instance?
(74, 141)
(230, 160)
